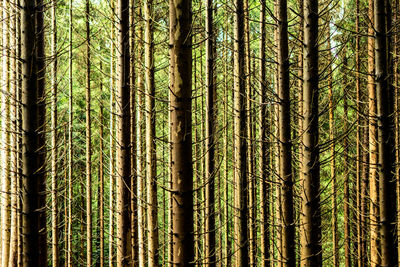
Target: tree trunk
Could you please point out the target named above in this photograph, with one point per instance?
(240, 161)
(373, 146)
(133, 129)
(101, 174)
(111, 224)
(14, 189)
(210, 249)
(264, 118)
(384, 132)
(42, 171)
(70, 143)
(311, 251)
(89, 249)
(151, 167)
(285, 142)
(32, 129)
(123, 168)
(5, 140)
(181, 131)
(54, 148)
(346, 172)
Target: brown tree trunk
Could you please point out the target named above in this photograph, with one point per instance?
(32, 129)
(14, 190)
(54, 148)
(133, 135)
(346, 172)
(311, 251)
(285, 145)
(5, 140)
(373, 146)
(70, 143)
(151, 167)
(240, 147)
(89, 249)
(210, 249)
(42, 171)
(384, 132)
(123, 168)
(101, 175)
(181, 131)
(264, 118)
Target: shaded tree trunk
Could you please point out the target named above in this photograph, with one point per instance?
(384, 132)
(285, 142)
(123, 168)
(210, 249)
(89, 248)
(310, 219)
(181, 131)
(151, 167)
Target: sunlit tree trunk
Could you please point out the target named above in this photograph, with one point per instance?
(5, 139)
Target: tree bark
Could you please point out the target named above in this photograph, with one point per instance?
(240, 161)
(385, 132)
(181, 131)
(264, 118)
(54, 145)
(151, 167)
(285, 142)
(123, 168)
(373, 146)
(89, 249)
(33, 235)
(5, 139)
(311, 251)
(210, 249)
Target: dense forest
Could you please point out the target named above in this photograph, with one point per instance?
(200, 133)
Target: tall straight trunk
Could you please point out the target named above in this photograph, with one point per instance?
(373, 146)
(310, 219)
(210, 249)
(134, 179)
(151, 167)
(54, 148)
(385, 132)
(227, 251)
(140, 169)
(333, 154)
(358, 140)
(14, 189)
(300, 112)
(32, 151)
(264, 172)
(111, 223)
(181, 131)
(101, 175)
(285, 145)
(70, 143)
(5, 139)
(123, 168)
(240, 161)
(42, 172)
(346, 172)
(89, 249)
(249, 135)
